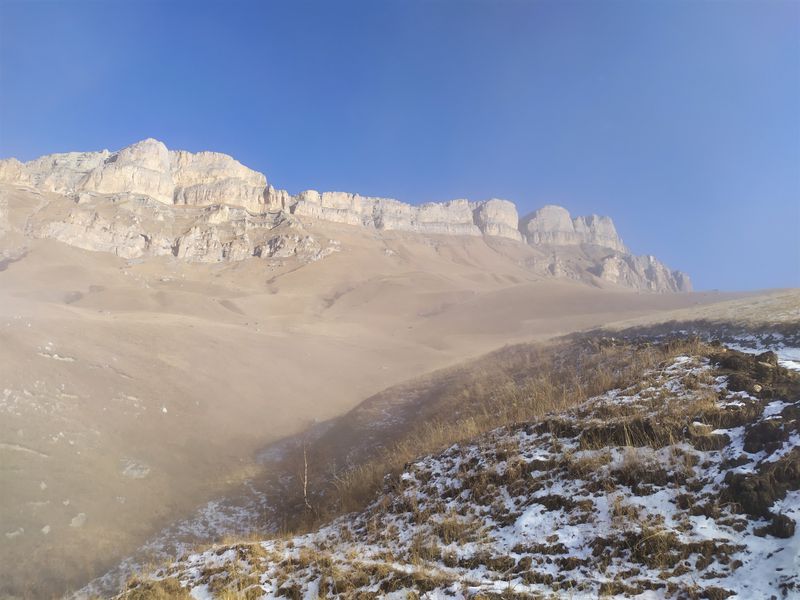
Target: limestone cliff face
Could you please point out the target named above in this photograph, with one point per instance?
(553, 225)
(137, 226)
(140, 169)
(208, 178)
(207, 207)
(455, 217)
(600, 231)
(60, 173)
(3, 215)
(146, 168)
(643, 272)
(497, 217)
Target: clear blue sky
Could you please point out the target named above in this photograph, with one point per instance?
(681, 120)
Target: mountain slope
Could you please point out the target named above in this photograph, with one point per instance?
(190, 369)
(686, 484)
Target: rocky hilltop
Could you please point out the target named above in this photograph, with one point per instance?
(146, 200)
(553, 225)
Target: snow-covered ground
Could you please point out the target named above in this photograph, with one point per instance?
(686, 484)
(785, 343)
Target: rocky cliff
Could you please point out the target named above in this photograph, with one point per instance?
(206, 206)
(554, 225)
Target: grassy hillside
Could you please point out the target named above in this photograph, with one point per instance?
(582, 467)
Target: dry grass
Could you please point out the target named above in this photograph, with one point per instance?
(638, 429)
(581, 466)
(509, 387)
(163, 589)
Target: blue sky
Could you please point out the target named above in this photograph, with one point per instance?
(681, 120)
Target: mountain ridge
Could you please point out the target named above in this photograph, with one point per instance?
(236, 207)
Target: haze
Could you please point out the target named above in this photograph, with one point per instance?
(259, 259)
(679, 119)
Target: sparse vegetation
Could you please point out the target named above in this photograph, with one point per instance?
(600, 497)
(155, 589)
(512, 386)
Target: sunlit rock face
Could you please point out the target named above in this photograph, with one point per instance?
(146, 200)
(599, 231)
(642, 272)
(145, 168)
(208, 178)
(455, 217)
(338, 207)
(553, 225)
(61, 173)
(498, 217)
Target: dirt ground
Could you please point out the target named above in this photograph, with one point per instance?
(133, 391)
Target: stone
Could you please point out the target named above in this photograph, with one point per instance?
(641, 272)
(553, 224)
(78, 520)
(782, 527)
(598, 230)
(549, 225)
(288, 245)
(337, 207)
(146, 168)
(143, 168)
(3, 216)
(146, 200)
(498, 217)
(12, 170)
(209, 244)
(444, 218)
(208, 178)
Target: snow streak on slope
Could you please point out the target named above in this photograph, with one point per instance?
(687, 484)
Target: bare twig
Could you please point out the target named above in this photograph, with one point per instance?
(305, 477)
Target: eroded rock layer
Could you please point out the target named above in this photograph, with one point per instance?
(208, 207)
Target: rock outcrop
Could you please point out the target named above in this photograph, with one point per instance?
(455, 217)
(3, 215)
(553, 225)
(499, 218)
(208, 207)
(642, 272)
(208, 178)
(145, 168)
(135, 226)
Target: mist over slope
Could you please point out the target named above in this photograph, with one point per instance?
(136, 390)
(148, 357)
(684, 482)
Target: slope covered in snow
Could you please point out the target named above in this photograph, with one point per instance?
(686, 484)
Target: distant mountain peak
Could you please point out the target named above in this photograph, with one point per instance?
(184, 180)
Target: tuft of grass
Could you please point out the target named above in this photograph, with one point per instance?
(510, 387)
(161, 589)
